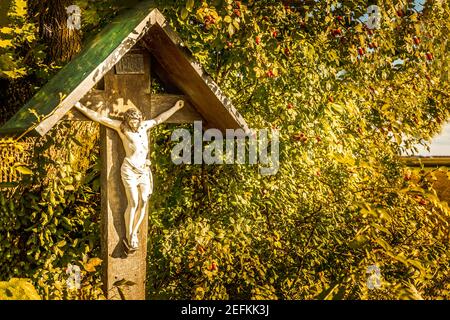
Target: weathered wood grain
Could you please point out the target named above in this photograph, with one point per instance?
(163, 102)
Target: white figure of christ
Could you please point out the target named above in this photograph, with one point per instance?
(135, 170)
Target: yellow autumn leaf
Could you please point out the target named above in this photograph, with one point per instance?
(18, 289)
(20, 8)
(6, 30)
(91, 264)
(359, 28)
(14, 74)
(5, 43)
(24, 170)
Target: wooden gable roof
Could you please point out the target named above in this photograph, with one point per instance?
(74, 80)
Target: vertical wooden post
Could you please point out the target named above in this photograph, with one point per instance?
(123, 90)
(117, 264)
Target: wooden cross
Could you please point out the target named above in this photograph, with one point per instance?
(127, 85)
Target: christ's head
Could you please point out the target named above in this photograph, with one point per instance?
(132, 119)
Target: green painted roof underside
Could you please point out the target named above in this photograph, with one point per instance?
(74, 72)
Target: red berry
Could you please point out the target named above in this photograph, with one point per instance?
(270, 73)
(337, 32)
(400, 13)
(238, 4)
(237, 12)
(416, 40)
(274, 34)
(429, 56)
(258, 40)
(360, 51)
(287, 51)
(331, 99)
(340, 18)
(290, 105)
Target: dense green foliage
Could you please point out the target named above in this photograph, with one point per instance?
(51, 219)
(341, 201)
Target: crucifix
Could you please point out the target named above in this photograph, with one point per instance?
(135, 170)
(123, 104)
(110, 82)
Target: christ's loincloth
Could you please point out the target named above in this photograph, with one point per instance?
(133, 176)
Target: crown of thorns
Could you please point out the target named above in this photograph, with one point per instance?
(132, 114)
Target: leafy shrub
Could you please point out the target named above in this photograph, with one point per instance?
(51, 219)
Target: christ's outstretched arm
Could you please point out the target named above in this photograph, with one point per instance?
(95, 116)
(164, 116)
